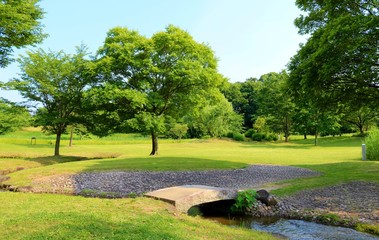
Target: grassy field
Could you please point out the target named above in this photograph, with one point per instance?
(46, 216)
(338, 159)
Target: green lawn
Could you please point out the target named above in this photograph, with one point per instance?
(338, 159)
(28, 215)
(46, 216)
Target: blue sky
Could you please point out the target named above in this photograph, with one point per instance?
(249, 37)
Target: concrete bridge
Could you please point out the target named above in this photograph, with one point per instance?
(186, 196)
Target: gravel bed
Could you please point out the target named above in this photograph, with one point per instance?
(358, 200)
(125, 183)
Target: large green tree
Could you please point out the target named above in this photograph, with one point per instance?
(157, 78)
(55, 82)
(12, 117)
(339, 62)
(19, 26)
(275, 103)
(215, 118)
(361, 118)
(243, 98)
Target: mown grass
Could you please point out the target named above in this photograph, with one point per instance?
(338, 159)
(45, 216)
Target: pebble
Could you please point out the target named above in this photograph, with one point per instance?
(122, 184)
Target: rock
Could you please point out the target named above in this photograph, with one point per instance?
(266, 198)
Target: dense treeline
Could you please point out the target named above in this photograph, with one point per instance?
(169, 85)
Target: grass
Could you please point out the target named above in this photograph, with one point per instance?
(45, 216)
(336, 158)
(28, 216)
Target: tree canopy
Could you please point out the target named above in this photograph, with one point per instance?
(19, 26)
(56, 82)
(274, 102)
(12, 117)
(339, 62)
(156, 79)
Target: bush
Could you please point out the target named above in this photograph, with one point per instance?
(372, 145)
(229, 135)
(271, 137)
(245, 201)
(249, 133)
(264, 137)
(258, 137)
(238, 137)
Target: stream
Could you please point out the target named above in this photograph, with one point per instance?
(295, 229)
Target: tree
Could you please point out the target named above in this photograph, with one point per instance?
(215, 119)
(243, 98)
(78, 129)
(339, 62)
(260, 124)
(362, 117)
(12, 117)
(19, 26)
(275, 103)
(302, 121)
(179, 130)
(309, 118)
(56, 81)
(158, 78)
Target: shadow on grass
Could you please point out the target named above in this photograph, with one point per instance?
(343, 141)
(332, 174)
(50, 160)
(163, 164)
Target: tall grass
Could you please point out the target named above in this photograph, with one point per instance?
(372, 145)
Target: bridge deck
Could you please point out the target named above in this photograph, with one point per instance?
(186, 196)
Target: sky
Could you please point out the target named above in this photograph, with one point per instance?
(249, 37)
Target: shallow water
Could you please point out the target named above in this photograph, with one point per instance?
(296, 229)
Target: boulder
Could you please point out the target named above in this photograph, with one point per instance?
(266, 198)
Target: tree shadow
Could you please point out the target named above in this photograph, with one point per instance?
(158, 163)
(50, 160)
(324, 142)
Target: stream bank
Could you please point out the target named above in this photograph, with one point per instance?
(354, 205)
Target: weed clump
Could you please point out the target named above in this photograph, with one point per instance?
(372, 145)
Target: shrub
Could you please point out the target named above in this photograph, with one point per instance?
(229, 135)
(238, 137)
(249, 133)
(372, 145)
(245, 201)
(369, 228)
(258, 137)
(271, 137)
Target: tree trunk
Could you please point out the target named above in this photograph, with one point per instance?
(361, 131)
(287, 130)
(305, 136)
(316, 138)
(57, 144)
(71, 134)
(154, 141)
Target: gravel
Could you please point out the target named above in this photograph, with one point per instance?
(124, 183)
(359, 200)
(353, 200)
